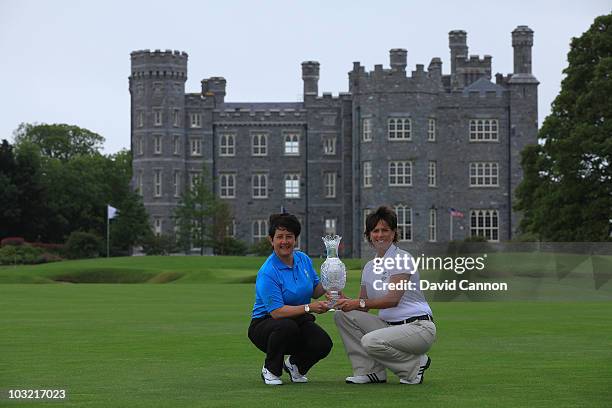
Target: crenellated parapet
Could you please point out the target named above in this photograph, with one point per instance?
(159, 64)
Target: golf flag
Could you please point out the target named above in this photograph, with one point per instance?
(111, 212)
(456, 213)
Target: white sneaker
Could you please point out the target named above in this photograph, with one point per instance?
(421, 373)
(293, 372)
(270, 378)
(368, 378)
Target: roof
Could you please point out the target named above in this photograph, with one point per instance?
(483, 85)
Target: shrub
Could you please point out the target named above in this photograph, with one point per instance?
(15, 241)
(261, 248)
(83, 245)
(159, 245)
(229, 246)
(475, 238)
(56, 249)
(22, 254)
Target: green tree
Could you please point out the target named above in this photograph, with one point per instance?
(60, 141)
(22, 192)
(131, 225)
(566, 193)
(201, 218)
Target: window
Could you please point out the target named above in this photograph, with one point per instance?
(195, 178)
(158, 183)
(366, 129)
(177, 183)
(227, 145)
(484, 223)
(399, 129)
(260, 230)
(400, 173)
(292, 186)
(140, 145)
(195, 147)
(140, 182)
(195, 120)
(330, 184)
(175, 118)
(329, 145)
(432, 225)
(227, 185)
(177, 145)
(431, 174)
(140, 120)
(157, 118)
(157, 146)
(484, 130)
(404, 222)
(259, 145)
(330, 226)
(431, 130)
(292, 144)
(259, 185)
(157, 224)
(484, 174)
(367, 174)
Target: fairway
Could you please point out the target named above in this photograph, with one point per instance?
(179, 345)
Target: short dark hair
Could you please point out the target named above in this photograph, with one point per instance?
(382, 213)
(284, 221)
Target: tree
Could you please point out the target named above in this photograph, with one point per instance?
(60, 141)
(202, 218)
(131, 226)
(566, 193)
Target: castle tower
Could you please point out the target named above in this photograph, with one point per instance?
(457, 42)
(522, 41)
(310, 75)
(398, 58)
(523, 87)
(157, 89)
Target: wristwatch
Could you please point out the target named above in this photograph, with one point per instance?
(362, 303)
(307, 308)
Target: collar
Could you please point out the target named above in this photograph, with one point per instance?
(280, 265)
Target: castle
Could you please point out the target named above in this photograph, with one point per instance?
(424, 143)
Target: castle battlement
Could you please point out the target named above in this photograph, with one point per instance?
(159, 64)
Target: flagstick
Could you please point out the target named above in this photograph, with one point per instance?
(107, 234)
(451, 226)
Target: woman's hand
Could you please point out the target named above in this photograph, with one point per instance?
(318, 307)
(346, 305)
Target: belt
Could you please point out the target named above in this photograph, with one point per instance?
(411, 319)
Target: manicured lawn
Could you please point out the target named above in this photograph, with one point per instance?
(177, 345)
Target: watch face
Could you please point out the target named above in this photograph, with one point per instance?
(362, 303)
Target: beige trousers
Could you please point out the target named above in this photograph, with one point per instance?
(372, 345)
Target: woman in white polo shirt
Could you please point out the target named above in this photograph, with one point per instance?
(402, 333)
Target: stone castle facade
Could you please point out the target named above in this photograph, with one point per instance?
(424, 143)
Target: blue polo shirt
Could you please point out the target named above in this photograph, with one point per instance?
(278, 285)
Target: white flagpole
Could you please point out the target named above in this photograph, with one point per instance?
(107, 234)
(451, 226)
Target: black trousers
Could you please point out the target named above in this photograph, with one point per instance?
(301, 337)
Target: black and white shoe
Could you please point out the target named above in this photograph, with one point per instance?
(420, 374)
(368, 378)
(269, 378)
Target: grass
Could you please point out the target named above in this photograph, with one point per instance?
(144, 345)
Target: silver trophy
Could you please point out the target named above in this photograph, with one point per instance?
(333, 271)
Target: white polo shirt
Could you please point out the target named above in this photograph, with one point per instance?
(411, 304)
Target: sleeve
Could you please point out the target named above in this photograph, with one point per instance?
(406, 265)
(269, 290)
(311, 271)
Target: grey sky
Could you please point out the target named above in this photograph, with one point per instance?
(68, 61)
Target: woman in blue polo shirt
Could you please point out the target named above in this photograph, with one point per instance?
(282, 322)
